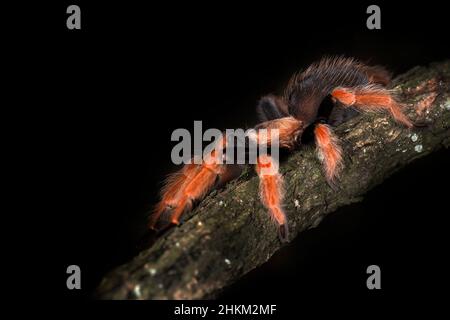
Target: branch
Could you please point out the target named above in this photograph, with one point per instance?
(230, 233)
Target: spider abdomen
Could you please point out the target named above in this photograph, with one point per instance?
(307, 90)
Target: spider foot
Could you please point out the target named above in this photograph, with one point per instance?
(283, 232)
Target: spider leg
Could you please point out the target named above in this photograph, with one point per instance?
(372, 98)
(189, 185)
(271, 192)
(289, 130)
(183, 190)
(329, 151)
(171, 195)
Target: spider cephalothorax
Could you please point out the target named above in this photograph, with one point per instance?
(318, 99)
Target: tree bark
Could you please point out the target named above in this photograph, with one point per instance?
(230, 232)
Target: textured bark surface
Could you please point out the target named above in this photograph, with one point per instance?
(230, 232)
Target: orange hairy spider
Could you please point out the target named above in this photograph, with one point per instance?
(328, 93)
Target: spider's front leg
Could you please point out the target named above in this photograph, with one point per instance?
(288, 131)
(189, 185)
(271, 191)
(182, 189)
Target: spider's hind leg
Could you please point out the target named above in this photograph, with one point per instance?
(372, 98)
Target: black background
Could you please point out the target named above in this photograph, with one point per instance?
(107, 98)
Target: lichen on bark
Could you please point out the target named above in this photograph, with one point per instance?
(230, 233)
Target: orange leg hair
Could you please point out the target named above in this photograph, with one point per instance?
(271, 189)
(288, 128)
(372, 98)
(329, 151)
(171, 193)
(185, 187)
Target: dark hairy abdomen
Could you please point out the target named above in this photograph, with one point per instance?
(307, 90)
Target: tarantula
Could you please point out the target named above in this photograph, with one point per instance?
(328, 93)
